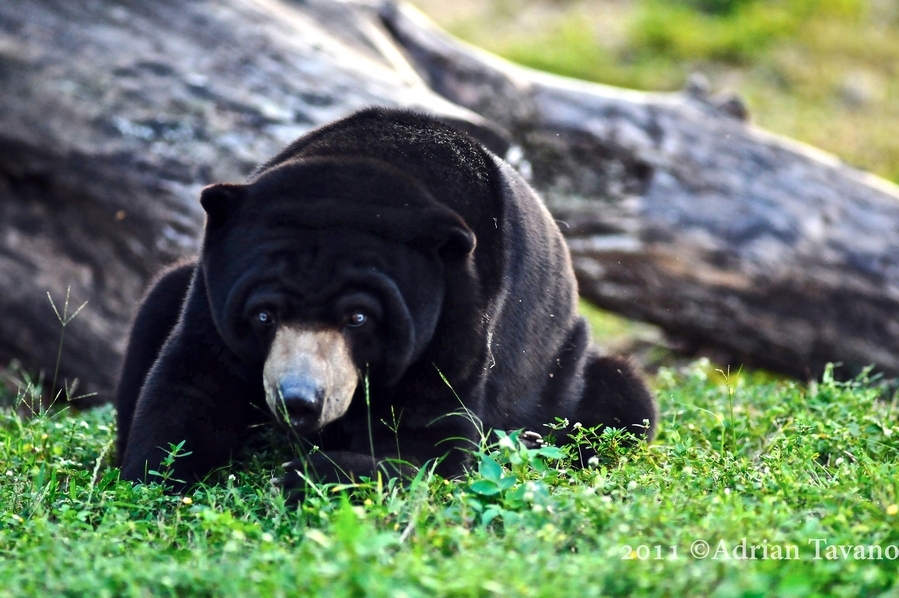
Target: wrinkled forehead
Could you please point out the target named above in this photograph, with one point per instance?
(312, 268)
(312, 255)
(320, 256)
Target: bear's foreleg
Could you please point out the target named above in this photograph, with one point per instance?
(197, 392)
(615, 395)
(445, 445)
(155, 320)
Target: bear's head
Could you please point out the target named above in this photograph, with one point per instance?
(320, 271)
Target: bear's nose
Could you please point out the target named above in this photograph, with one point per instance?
(302, 398)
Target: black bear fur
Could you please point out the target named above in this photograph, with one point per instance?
(466, 290)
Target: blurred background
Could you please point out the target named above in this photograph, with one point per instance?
(825, 72)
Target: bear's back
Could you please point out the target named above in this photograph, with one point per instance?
(457, 171)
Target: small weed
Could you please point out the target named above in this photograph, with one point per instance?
(64, 320)
(165, 474)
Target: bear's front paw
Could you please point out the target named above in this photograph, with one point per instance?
(531, 440)
(323, 468)
(294, 481)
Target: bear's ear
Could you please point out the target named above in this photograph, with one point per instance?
(446, 233)
(221, 200)
(459, 241)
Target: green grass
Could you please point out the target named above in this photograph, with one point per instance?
(775, 462)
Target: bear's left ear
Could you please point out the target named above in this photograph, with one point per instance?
(221, 200)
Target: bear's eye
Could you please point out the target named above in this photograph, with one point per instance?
(356, 319)
(264, 317)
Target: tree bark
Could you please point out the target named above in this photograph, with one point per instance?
(681, 213)
(114, 114)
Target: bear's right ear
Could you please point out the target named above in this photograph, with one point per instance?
(459, 240)
(221, 200)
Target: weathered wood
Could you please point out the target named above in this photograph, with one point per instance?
(114, 114)
(680, 213)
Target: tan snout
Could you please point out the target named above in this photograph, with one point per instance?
(309, 377)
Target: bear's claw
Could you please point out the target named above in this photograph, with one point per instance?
(531, 440)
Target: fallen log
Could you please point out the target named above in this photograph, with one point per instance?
(114, 114)
(680, 212)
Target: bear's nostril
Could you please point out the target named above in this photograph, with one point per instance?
(301, 398)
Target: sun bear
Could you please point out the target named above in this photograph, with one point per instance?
(386, 289)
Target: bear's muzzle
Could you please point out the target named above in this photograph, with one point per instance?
(309, 377)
